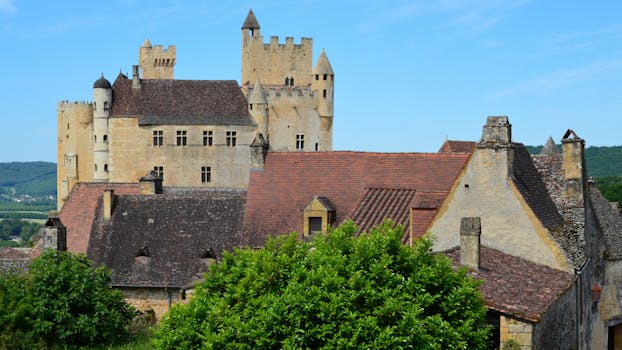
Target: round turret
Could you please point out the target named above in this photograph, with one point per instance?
(102, 83)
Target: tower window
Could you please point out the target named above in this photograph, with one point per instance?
(206, 174)
(158, 138)
(95, 138)
(286, 81)
(291, 81)
(324, 93)
(106, 106)
(94, 106)
(300, 141)
(317, 77)
(251, 106)
(182, 137)
(316, 146)
(105, 138)
(106, 168)
(95, 167)
(159, 172)
(231, 138)
(325, 76)
(67, 126)
(208, 137)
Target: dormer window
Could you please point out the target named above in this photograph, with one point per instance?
(144, 251)
(317, 216)
(208, 254)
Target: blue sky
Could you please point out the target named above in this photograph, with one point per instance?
(408, 74)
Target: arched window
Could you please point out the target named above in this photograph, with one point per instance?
(286, 81)
(105, 138)
(106, 167)
(291, 81)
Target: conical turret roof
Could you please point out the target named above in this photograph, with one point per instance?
(102, 83)
(251, 21)
(323, 65)
(257, 95)
(550, 147)
(147, 43)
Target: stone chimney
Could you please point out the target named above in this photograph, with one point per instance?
(150, 184)
(573, 165)
(496, 133)
(108, 199)
(54, 233)
(135, 77)
(259, 149)
(470, 233)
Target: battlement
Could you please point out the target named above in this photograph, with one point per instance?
(160, 49)
(157, 62)
(64, 103)
(289, 42)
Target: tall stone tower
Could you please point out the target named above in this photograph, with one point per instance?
(102, 102)
(291, 101)
(157, 62)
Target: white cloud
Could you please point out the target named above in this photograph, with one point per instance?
(7, 6)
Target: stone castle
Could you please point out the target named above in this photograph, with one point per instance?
(197, 133)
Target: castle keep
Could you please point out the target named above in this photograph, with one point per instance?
(197, 133)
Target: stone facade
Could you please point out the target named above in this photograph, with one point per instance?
(515, 331)
(159, 300)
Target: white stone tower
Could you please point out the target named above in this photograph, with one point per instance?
(102, 102)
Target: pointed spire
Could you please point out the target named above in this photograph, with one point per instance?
(258, 95)
(251, 21)
(323, 65)
(147, 43)
(550, 147)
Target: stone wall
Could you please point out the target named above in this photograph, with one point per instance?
(557, 328)
(157, 299)
(513, 330)
(132, 154)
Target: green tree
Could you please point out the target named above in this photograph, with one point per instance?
(62, 301)
(339, 291)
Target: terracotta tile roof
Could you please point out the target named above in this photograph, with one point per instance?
(379, 204)
(181, 102)
(450, 146)
(176, 234)
(77, 212)
(290, 180)
(530, 184)
(515, 286)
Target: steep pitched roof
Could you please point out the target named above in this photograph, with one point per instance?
(549, 147)
(251, 21)
(610, 222)
(379, 204)
(515, 286)
(530, 184)
(451, 146)
(290, 180)
(166, 239)
(323, 65)
(77, 212)
(180, 102)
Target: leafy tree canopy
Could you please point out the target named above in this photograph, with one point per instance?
(338, 291)
(61, 301)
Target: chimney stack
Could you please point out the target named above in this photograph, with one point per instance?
(150, 184)
(108, 198)
(54, 233)
(259, 149)
(470, 233)
(497, 132)
(573, 165)
(135, 77)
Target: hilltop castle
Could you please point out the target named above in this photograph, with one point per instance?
(197, 133)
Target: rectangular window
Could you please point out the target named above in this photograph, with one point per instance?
(159, 172)
(315, 225)
(208, 137)
(181, 137)
(158, 137)
(324, 93)
(231, 138)
(325, 75)
(206, 174)
(300, 141)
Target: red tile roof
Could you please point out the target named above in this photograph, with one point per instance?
(457, 147)
(515, 286)
(379, 204)
(290, 180)
(78, 211)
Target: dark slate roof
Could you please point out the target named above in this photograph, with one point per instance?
(529, 182)
(610, 222)
(450, 146)
(378, 204)
(12, 260)
(515, 286)
(174, 233)
(102, 83)
(180, 102)
(78, 210)
(251, 21)
(290, 180)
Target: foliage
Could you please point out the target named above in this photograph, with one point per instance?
(335, 292)
(43, 206)
(17, 227)
(600, 161)
(61, 301)
(22, 215)
(35, 178)
(611, 188)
